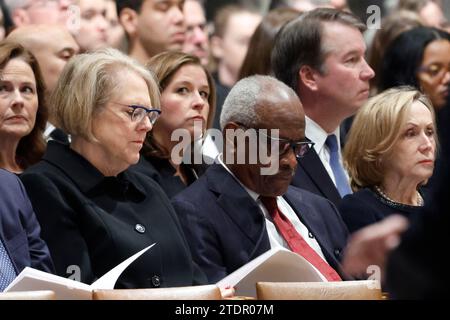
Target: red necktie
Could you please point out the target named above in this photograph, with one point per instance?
(296, 242)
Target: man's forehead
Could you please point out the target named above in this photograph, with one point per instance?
(281, 114)
(342, 38)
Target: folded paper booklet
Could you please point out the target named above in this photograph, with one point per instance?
(67, 289)
(275, 265)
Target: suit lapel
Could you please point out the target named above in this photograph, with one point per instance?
(237, 204)
(313, 167)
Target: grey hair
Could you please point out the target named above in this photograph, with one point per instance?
(12, 5)
(243, 99)
(86, 85)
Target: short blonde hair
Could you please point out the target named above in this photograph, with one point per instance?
(375, 131)
(87, 83)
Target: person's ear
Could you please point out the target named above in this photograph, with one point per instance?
(20, 17)
(129, 20)
(308, 77)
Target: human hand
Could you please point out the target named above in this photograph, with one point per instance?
(371, 245)
(227, 292)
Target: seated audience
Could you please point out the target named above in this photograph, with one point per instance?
(237, 211)
(331, 87)
(389, 155)
(23, 114)
(196, 41)
(20, 242)
(419, 58)
(93, 29)
(29, 12)
(94, 212)
(152, 26)
(187, 99)
(116, 33)
(52, 46)
(234, 25)
(429, 11)
(392, 26)
(257, 59)
(414, 269)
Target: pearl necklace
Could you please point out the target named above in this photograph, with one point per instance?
(420, 201)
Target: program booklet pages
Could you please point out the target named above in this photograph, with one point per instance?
(67, 289)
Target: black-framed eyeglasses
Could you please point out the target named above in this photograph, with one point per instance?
(138, 112)
(300, 148)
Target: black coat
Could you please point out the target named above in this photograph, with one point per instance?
(164, 174)
(94, 222)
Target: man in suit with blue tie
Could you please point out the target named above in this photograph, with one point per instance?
(20, 242)
(320, 55)
(236, 211)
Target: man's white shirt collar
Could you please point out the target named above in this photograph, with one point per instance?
(316, 134)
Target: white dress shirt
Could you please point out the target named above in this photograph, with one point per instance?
(275, 238)
(317, 135)
(49, 129)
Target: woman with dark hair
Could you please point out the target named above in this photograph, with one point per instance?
(23, 113)
(257, 59)
(187, 100)
(421, 58)
(392, 26)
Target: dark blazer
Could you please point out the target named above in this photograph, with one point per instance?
(311, 175)
(95, 222)
(19, 228)
(163, 173)
(366, 207)
(226, 229)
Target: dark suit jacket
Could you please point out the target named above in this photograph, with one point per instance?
(95, 222)
(19, 229)
(311, 175)
(226, 229)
